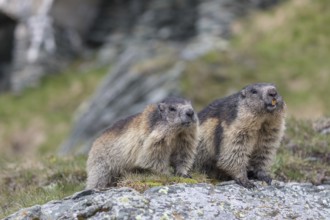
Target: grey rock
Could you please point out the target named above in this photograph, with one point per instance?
(322, 125)
(197, 201)
(46, 37)
(7, 28)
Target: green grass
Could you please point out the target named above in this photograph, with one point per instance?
(304, 154)
(45, 113)
(53, 178)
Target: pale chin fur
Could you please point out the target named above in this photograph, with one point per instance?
(271, 108)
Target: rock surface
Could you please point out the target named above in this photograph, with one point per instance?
(197, 201)
(322, 125)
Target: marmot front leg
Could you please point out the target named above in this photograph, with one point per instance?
(99, 177)
(155, 163)
(264, 151)
(241, 178)
(260, 162)
(183, 157)
(234, 161)
(155, 155)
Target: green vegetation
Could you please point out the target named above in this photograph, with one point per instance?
(144, 181)
(304, 154)
(287, 45)
(50, 178)
(46, 112)
(32, 127)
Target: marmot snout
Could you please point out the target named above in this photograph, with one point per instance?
(262, 97)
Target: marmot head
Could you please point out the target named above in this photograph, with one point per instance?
(177, 112)
(262, 98)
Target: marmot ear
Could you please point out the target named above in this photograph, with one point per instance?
(243, 93)
(161, 107)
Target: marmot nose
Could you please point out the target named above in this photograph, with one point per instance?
(190, 113)
(272, 92)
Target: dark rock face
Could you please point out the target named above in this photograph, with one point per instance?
(7, 28)
(198, 201)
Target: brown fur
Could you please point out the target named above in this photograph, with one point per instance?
(243, 138)
(152, 140)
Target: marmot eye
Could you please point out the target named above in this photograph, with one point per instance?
(254, 91)
(172, 109)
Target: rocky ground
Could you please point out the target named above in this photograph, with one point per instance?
(197, 201)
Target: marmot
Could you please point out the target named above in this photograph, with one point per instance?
(163, 135)
(239, 134)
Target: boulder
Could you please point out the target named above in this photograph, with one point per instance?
(197, 201)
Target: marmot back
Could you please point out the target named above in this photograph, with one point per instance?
(239, 134)
(163, 135)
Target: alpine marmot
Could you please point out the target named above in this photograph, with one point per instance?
(163, 135)
(239, 134)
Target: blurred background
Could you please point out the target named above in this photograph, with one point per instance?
(70, 68)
